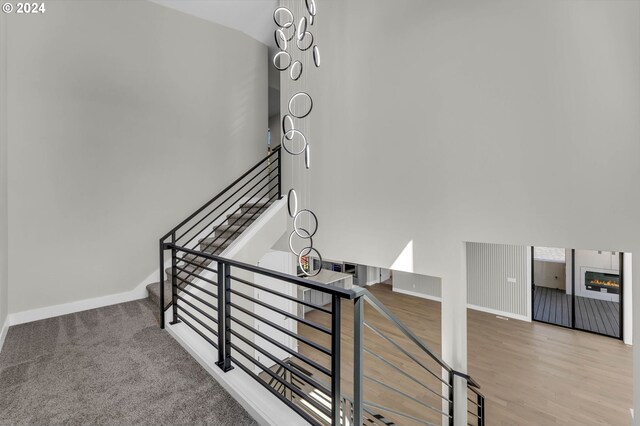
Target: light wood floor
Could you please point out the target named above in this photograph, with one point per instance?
(531, 373)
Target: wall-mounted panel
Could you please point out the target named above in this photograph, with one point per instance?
(498, 278)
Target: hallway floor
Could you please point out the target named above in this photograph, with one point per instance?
(532, 374)
(107, 366)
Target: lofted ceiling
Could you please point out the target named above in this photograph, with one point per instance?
(252, 17)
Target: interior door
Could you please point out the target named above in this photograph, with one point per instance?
(281, 262)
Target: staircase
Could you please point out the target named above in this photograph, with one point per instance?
(249, 317)
(281, 371)
(223, 236)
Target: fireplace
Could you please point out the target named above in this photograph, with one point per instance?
(602, 282)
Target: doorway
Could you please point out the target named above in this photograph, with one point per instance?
(578, 289)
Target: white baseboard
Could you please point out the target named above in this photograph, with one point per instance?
(3, 332)
(264, 407)
(140, 292)
(416, 294)
(499, 313)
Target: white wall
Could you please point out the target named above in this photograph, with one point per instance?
(4, 249)
(550, 274)
(628, 302)
(417, 285)
(435, 129)
(124, 117)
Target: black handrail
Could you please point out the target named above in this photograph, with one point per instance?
(273, 169)
(479, 404)
(276, 150)
(303, 282)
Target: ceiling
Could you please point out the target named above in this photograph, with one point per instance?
(252, 17)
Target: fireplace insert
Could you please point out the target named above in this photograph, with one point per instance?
(602, 282)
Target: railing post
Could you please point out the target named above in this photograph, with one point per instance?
(174, 281)
(162, 284)
(336, 395)
(220, 292)
(452, 379)
(358, 360)
(279, 170)
(480, 402)
(224, 317)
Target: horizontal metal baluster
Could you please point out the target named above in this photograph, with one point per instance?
(198, 266)
(221, 204)
(194, 275)
(291, 405)
(399, 413)
(195, 286)
(303, 282)
(233, 213)
(207, 304)
(198, 320)
(298, 337)
(290, 351)
(194, 328)
(406, 395)
(405, 352)
(408, 376)
(293, 389)
(306, 378)
(225, 211)
(200, 311)
(385, 312)
(283, 313)
(272, 198)
(284, 296)
(208, 203)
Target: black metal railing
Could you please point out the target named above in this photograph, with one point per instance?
(218, 222)
(288, 332)
(475, 405)
(225, 315)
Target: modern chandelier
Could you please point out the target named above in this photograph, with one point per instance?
(296, 50)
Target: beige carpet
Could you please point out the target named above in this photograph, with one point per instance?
(107, 366)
